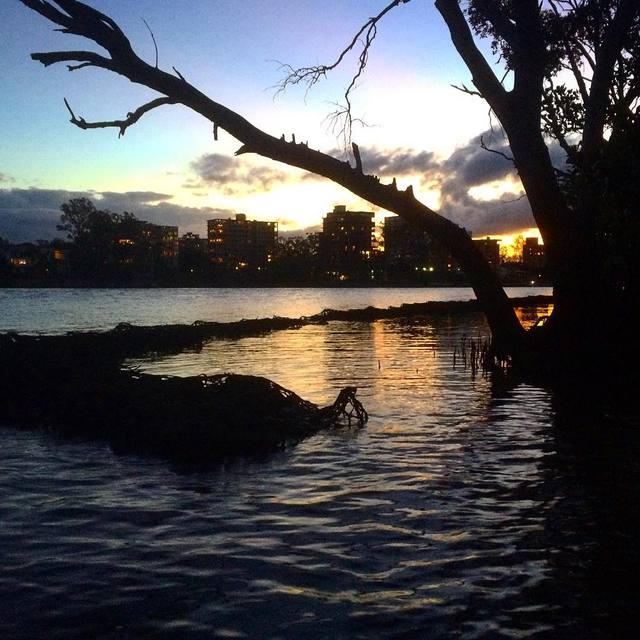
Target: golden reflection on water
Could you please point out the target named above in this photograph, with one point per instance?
(427, 507)
(403, 368)
(528, 316)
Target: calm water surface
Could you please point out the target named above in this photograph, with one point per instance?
(60, 310)
(464, 509)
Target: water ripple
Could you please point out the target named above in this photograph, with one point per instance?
(462, 510)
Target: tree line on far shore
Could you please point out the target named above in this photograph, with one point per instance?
(102, 248)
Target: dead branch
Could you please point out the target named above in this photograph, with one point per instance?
(340, 123)
(356, 155)
(465, 89)
(77, 18)
(80, 19)
(132, 116)
(85, 58)
(155, 44)
(498, 153)
(516, 199)
(310, 76)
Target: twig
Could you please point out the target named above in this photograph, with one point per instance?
(466, 90)
(312, 75)
(155, 44)
(499, 153)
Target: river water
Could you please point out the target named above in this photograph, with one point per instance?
(60, 310)
(466, 508)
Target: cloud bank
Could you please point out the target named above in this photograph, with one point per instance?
(235, 176)
(472, 166)
(467, 167)
(456, 178)
(31, 214)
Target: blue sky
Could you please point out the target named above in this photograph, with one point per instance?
(168, 169)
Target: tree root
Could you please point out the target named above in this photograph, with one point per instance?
(194, 420)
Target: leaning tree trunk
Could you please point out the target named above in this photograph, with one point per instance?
(82, 20)
(592, 319)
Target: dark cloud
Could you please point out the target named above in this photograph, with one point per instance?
(233, 175)
(28, 226)
(119, 201)
(32, 214)
(33, 198)
(472, 166)
(468, 166)
(506, 214)
(391, 163)
(398, 162)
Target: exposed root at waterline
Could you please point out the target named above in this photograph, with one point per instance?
(63, 387)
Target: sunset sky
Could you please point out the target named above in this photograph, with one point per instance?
(168, 168)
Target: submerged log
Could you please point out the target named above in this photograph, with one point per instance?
(64, 386)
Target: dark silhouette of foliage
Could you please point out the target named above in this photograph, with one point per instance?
(297, 260)
(105, 247)
(77, 218)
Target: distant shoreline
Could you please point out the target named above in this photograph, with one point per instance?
(354, 285)
(127, 340)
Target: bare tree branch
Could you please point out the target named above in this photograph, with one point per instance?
(155, 44)
(132, 116)
(310, 76)
(356, 155)
(81, 20)
(176, 90)
(340, 123)
(86, 58)
(465, 89)
(498, 153)
(522, 196)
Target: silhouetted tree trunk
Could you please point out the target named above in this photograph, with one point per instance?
(591, 315)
